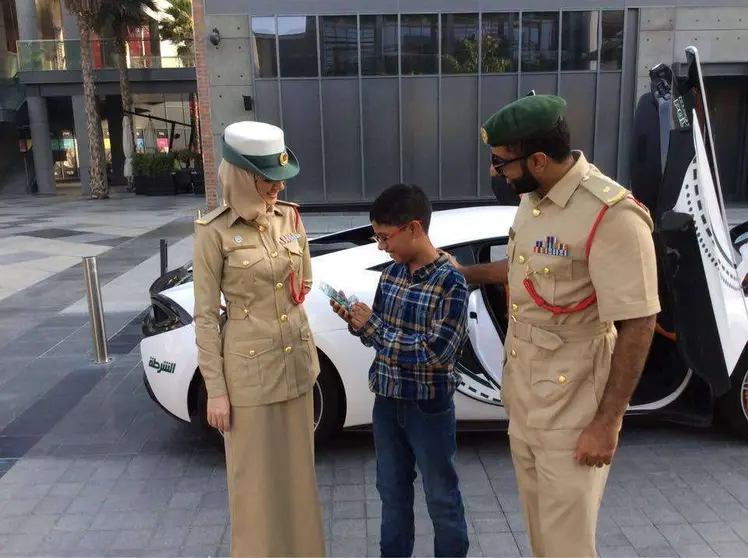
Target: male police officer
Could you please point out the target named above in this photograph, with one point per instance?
(580, 256)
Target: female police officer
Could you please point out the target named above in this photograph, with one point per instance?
(259, 369)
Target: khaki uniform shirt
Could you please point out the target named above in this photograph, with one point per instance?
(265, 352)
(557, 364)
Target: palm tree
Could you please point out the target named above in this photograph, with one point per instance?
(177, 28)
(124, 17)
(86, 13)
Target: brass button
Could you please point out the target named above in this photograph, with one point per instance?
(261, 228)
(562, 379)
(606, 189)
(288, 349)
(252, 353)
(283, 317)
(521, 259)
(536, 212)
(245, 263)
(515, 307)
(279, 286)
(273, 254)
(514, 353)
(514, 318)
(546, 270)
(246, 311)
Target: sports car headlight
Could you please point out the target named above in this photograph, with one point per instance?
(164, 315)
(172, 278)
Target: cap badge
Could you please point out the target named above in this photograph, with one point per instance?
(484, 135)
(283, 159)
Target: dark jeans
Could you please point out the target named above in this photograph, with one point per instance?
(407, 433)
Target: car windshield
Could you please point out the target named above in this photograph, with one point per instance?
(343, 240)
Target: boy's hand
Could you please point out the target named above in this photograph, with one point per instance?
(359, 314)
(341, 310)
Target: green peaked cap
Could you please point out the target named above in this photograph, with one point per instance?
(522, 119)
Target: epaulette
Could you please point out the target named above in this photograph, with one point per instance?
(284, 202)
(208, 217)
(603, 188)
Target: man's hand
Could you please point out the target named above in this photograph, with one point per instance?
(597, 444)
(359, 313)
(452, 260)
(219, 412)
(341, 310)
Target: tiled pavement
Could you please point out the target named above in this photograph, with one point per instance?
(89, 466)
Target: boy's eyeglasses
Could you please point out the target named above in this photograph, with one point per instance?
(384, 239)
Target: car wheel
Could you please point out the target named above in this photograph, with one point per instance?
(328, 405)
(732, 408)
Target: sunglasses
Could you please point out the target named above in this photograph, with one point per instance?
(498, 163)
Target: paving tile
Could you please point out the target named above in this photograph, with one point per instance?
(73, 522)
(215, 500)
(22, 545)
(132, 539)
(348, 528)
(348, 492)
(123, 520)
(185, 500)
(716, 532)
(178, 518)
(348, 547)
(97, 541)
(208, 516)
(644, 536)
(204, 536)
(53, 504)
(626, 551)
(38, 524)
(489, 522)
(349, 510)
(730, 549)
(680, 535)
(58, 542)
(168, 537)
(498, 544)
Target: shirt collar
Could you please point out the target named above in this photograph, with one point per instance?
(564, 188)
(427, 269)
(234, 216)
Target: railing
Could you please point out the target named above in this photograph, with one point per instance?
(51, 55)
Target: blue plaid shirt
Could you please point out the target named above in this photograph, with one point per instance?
(417, 327)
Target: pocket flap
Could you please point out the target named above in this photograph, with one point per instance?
(244, 257)
(250, 348)
(561, 372)
(294, 247)
(553, 266)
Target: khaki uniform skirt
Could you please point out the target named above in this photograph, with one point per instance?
(273, 497)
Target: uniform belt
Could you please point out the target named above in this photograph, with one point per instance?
(552, 337)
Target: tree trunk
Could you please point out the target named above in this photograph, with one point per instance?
(124, 85)
(99, 186)
(193, 123)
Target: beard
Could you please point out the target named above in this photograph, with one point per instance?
(526, 183)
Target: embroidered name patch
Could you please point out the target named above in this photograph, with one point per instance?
(286, 238)
(551, 247)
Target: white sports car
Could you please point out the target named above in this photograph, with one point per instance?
(697, 364)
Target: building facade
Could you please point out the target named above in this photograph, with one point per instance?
(372, 93)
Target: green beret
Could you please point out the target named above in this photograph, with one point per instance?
(522, 119)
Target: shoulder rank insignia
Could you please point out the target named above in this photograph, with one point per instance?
(551, 247)
(603, 188)
(208, 217)
(284, 202)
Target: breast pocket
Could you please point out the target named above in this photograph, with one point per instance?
(547, 274)
(294, 253)
(241, 265)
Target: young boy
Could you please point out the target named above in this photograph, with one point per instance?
(417, 327)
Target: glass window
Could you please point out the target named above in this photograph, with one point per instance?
(611, 50)
(500, 43)
(339, 45)
(579, 40)
(419, 36)
(540, 41)
(459, 43)
(263, 39)
(297, 46)
(379, 45)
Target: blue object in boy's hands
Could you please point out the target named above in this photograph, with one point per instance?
(337, 297)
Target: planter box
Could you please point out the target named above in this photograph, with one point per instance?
(198, 183)
(154, 186)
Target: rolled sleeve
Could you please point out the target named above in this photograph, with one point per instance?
(207, 270)
(623, 264)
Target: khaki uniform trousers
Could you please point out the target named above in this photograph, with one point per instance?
(553, 382)
(273, 498)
